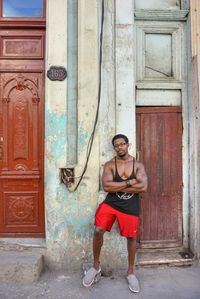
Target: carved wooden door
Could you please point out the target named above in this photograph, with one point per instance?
(159, 141)
(21, 133)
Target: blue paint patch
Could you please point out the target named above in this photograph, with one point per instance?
(83, 139)
(56, 130)
(64, 212)
(72, 215)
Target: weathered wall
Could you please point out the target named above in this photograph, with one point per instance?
(69, 215)
(194, 116)
(55, 129)
(158, 4)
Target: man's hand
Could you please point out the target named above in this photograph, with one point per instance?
(139, 184)
(136, 185)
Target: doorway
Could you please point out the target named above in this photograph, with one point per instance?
(22, 51)
(159, 142)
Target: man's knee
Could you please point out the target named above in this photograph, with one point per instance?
(131, 240)
(99, 231)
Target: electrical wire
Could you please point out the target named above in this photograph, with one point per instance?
(91, 139)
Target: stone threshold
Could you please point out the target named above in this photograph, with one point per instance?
(168, 256)
(12, 243)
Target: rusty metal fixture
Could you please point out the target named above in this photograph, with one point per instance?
(67, 176)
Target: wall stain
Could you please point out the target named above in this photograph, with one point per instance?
(65, 214)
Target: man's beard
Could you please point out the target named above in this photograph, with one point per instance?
(122, 154)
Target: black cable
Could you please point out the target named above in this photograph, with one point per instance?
(91, 139)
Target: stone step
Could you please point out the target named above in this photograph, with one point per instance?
(21, 267)
(20, 244)
(170, 257)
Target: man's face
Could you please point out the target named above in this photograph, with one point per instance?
(121, 147)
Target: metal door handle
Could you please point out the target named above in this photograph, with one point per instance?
(1, 152)
(138, 155)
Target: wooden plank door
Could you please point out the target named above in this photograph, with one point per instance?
(22, 133)
(159, 141)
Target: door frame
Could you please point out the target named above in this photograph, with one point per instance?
(163, 243)
(182, 86)
(29, 23)
(185, 169)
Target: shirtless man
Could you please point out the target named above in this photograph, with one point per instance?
(123, 178)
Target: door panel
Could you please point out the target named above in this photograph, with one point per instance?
(22, 137)
(159, 140)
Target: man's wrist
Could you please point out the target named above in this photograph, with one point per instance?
(128, 183)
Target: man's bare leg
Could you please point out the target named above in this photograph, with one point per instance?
(97, 244)
(133, 282)
(94, 271)
(131, 246)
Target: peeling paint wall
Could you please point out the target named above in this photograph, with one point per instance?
(194, 114)
(69, 215)
(55, 128)
(158, 4)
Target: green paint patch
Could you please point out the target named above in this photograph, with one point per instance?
(83, 136)
(56, 130)
(65, 213)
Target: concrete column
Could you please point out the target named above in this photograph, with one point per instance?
(55, 120)
(194, 114)
(125, 66)
(107, 123)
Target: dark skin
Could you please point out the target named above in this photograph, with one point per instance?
(138, 185)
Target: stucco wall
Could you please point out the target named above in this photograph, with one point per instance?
(69, 215)
(195, 130)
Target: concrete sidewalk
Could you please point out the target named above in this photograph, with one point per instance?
(156, 283)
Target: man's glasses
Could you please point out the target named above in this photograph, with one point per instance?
(119, 145)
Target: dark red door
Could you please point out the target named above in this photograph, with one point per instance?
(159, 141)
(21, 133)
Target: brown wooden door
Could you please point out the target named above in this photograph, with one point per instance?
(21, 133)
(159, 141)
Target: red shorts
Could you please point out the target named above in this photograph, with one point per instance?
(106, 215)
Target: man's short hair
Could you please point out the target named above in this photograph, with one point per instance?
(118, 136)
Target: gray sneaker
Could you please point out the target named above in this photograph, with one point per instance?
(90, 276)
(133, 283)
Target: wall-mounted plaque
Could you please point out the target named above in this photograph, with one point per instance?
(57, 73)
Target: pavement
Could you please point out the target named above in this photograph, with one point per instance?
(156, 283)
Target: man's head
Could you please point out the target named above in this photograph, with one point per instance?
(120, 144)
(119, 136)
